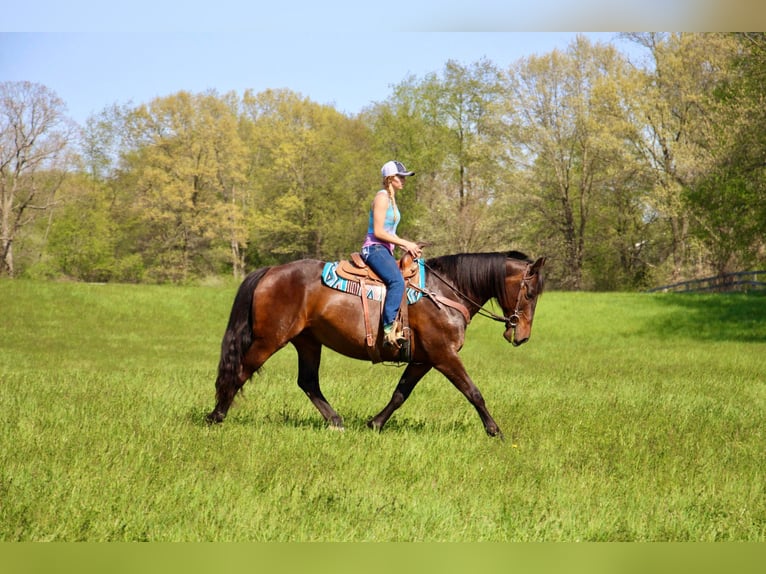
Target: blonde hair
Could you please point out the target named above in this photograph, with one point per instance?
(387, 183)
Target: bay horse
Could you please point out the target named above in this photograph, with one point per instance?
(288, 303)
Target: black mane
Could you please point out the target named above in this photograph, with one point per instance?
(480, 276)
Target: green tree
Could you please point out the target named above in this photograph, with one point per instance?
(186, 165)
(81, 239)
(101, 141)
(309, 178)
(449, 128)
(109, 195)
(568, 113)
(684, 134)
(728, 199)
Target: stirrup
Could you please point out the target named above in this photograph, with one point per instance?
(395, 337)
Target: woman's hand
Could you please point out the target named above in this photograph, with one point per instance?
(412, 248)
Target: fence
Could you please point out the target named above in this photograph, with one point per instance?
(728, 282)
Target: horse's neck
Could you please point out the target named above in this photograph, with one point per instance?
(446, 286)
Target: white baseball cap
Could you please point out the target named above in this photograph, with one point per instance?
(395, 168)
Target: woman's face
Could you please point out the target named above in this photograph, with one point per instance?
(398, 182)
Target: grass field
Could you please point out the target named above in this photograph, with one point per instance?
(627, 417)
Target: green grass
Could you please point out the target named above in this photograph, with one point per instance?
(627, 417)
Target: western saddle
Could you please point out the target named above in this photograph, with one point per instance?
(355, 269)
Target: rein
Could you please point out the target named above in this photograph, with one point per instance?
(510, 322)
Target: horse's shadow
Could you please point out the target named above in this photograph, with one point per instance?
(197, 417)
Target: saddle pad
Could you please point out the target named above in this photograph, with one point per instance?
(373, 291)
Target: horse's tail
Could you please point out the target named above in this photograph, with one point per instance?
(236, 342)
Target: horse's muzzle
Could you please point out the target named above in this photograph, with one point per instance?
(510, 335)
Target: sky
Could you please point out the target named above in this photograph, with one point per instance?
(91, 71)
(348, 54)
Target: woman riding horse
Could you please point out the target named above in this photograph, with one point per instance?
(378, 247)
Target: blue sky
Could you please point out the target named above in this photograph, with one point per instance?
(90, 71)
(346, 53)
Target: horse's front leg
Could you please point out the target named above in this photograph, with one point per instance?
(412, 374)
(454, 370)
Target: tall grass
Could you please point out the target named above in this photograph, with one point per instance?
(627, 417)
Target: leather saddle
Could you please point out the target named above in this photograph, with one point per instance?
(355, 268)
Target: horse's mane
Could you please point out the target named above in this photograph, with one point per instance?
(477, 275)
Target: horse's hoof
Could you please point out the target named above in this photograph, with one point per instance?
(336, 424)
(496, 433)
(214, 418)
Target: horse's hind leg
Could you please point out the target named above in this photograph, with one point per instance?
(411, 376)
(226, 390)
(231, 380)
(309, 355)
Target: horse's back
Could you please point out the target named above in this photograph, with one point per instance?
(291, 299)
(288, 286)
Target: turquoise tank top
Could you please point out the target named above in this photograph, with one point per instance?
(391, 223)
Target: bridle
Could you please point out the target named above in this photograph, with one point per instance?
(513, 320)
(510, 321)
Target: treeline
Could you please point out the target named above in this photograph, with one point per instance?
(624, 174)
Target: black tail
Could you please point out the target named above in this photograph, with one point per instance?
(236, 341)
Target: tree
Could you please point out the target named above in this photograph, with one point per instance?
(101, 140)
(686, 129)
(568, 116)
(34, 135)
(186, 165)
(309, 178)
(728, 199)
(82, 235)
(449, 128)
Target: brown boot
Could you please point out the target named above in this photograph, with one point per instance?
(394, 337)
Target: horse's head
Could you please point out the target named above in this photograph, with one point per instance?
(523, 284)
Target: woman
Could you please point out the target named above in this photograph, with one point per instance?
(378, 247)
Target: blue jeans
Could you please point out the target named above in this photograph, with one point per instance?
(380, 260)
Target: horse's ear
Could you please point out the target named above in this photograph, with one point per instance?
(537, 265)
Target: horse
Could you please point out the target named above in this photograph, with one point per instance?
(289, 303)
